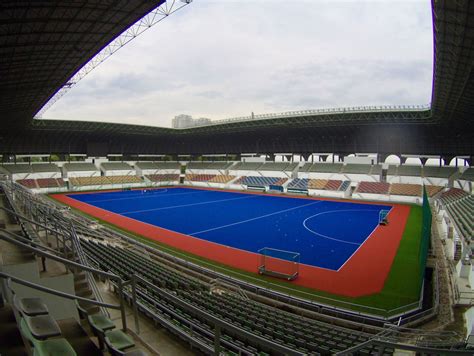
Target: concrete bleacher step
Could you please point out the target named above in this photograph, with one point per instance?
(11, 340)
(80, 341)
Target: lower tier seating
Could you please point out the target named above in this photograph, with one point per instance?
(307, 336)
(163, 177)
(221, 179)
(373, 187)
(28, 183)
(261, 181)
(50, 182)
(414, 190)
(199, 177)
(432, 190)
(104, 180)
(460, 206)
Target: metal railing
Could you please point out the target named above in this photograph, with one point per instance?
(74, 265)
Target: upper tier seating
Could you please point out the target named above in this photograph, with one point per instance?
(305, 167)
(373, 187)
(17, 168)
(468, 174)
(306, 336)
(392, 170)
(246, 166)
(326, 167)
(408, 170)
(414, 190)
(261, 181)
(116, 166)
(162, 177)
(80, 167)
(439, 172)
(356, 168)
(28, 183)
(432, 190)
(208, 165)
(50, 182)
(460, 205)
(376, 169)
(157, 165)
(44, 168)
(221, 179)
(274, 166)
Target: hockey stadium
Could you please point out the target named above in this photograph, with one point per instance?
(288, 233)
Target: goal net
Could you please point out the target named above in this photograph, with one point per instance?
(279, 263)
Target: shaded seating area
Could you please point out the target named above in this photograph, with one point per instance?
(44, 168)
(351, 168)
(468, 174)
(439, 172)
(274, 166)
(326, 167)
(80, 167)
(409, 170)
(116, 166)
(247, 166)
(373, 187)
(414, 190)
(208, 165)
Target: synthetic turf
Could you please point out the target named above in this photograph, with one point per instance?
(325, 233)
(364, 273)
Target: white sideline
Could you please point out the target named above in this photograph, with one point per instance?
(329, 237)
(185, 205)
(256, 218)
(141, 196)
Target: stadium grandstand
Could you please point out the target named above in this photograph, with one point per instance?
(276, 234)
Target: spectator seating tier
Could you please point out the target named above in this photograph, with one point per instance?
(162, 177)
(373, 187)
(50, 182)
(80, 167)
(221, 179)
(246, 166)
(468, 174)
(356, 168)
(116, 166)
(432, 190)
(17, 168)
(326, 167)
(28, 183)
(261, 181)
(414, 190)
(409, 170)
(438, 172)
(44, 168)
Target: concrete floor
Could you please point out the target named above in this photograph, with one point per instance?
(157, 339)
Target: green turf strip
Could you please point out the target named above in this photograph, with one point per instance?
(401, 289)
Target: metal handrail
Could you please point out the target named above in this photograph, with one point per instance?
(120, 282)
(41, 288)
(219, 324)
(82, 259)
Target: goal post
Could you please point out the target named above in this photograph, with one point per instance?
(383, 217)
(279, 263)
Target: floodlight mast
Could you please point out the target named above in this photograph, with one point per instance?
(168, 7)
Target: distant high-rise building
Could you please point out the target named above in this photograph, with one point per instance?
(185, 121)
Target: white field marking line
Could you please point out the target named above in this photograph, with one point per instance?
(140, 196)
(252, 219)
(329, 237)
(184, 205)
(367, 238)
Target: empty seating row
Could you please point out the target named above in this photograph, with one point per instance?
(373, 187)
(307, 336)
(261, 181)
(221, 178)
(439, 172)
(320, 184)
(42, 183)
(199, 177)
(158, 165)
(460, 206)
(116, 166)
(246, 166)
(80, 167)
(468, 174)
(103, 180)
(208, 165)
(163, 177)
(406, 189)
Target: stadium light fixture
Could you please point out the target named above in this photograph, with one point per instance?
(168, 7)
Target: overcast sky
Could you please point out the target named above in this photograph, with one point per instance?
(227, 58)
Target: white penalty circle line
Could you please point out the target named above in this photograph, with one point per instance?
(329, 237)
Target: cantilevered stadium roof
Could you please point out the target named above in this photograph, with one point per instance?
(43, 43)
(42, 46)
